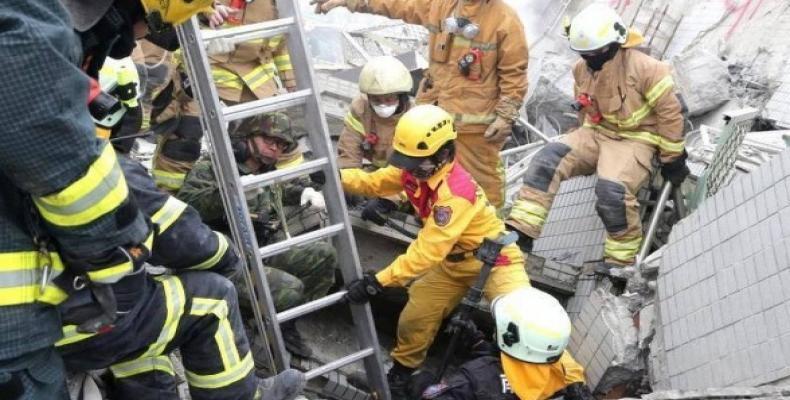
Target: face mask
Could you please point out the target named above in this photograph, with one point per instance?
(597, 61)
(385, 111)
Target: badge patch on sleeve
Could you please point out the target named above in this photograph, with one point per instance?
(442, 215)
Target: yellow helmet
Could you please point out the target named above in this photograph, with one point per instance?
(174, 12)
(420, 133)
(384, 75)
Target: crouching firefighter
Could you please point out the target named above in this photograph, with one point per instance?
(456, 218)
(301, 274)
(629, 113)
(134, 328)
(527, 360)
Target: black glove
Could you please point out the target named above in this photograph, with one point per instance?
(524, 241)
(578, 391)
(676, 170)
(420, 381)
(361, 290)
(318, 177)
(376, 210)
(469, 335)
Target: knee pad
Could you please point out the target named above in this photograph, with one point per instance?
(543, 167)
(181, 150)
(611, 205)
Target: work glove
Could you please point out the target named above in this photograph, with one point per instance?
(220, 15)
(419, 382)
(220, 46)
(361, 290)
(469, 335)
(524, 241)
(578, 391)
(376, 210)
(314, 198)
(324, 6)
(499, 130)
(676, 170)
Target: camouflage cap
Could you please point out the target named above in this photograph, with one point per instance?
(270, 124)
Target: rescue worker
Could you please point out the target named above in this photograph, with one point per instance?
(384, 85)
(629, 114)
(477, 72)
(196, 312)
(242, 72)
(532, 331)
(456, 218)
(66, 210)
(301, 274)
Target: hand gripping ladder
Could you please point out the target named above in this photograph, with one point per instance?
(214, 118)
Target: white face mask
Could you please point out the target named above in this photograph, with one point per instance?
(385, 111)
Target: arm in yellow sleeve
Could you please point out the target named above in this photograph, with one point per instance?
(433, 243)
(412, 11)
(380, 183)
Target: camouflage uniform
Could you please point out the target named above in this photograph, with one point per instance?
(299, 275)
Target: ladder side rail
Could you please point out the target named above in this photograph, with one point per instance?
(233, 199)
(348, 257)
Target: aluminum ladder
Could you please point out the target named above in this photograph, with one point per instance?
(214, 119)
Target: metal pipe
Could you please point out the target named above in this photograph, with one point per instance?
(519, 149)
(309, 307)
(680, 203)
(651, 229)
(339, 363)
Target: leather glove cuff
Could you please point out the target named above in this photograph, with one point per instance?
(507, 108)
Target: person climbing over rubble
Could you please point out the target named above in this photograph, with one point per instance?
(242, 72)
(302, 273)
(629, 114)
(456, 218)
(478, 73)
(126, 320)
(384, 86)
(525, 361)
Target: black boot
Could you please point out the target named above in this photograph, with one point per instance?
(294, 341)
(398, 379)
(524, 241)
(578, 391)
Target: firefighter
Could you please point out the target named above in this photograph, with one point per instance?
(629, 114)
(301, 274)
(242, 72)
(477, 72)
(525, 362)
(384, 85)
(195, 311)
(66, 210)
(456, 218)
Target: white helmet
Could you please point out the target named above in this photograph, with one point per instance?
(531, 325)
(595, 27)
(385, 75)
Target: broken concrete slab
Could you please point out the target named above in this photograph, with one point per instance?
(702, 79)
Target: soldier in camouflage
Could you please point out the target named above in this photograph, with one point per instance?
(301, 274)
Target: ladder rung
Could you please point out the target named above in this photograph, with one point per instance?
(307, 308)
(283, 175)
(312, 236)
(260, 30)
(339, 363)
(268, 104)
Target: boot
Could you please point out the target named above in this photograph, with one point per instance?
(294, 341)
(578, 391)
(283, 386)
(524, 241)
(398, 378)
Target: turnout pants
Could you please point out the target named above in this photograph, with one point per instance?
(481, 159)
(623, 167)
(196, 312)
(433, 296)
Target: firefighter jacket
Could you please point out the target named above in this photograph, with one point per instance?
(455, 213)
(633, 98)
(255, 63)
(501, 45)
(56, 178)
(366, 136)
